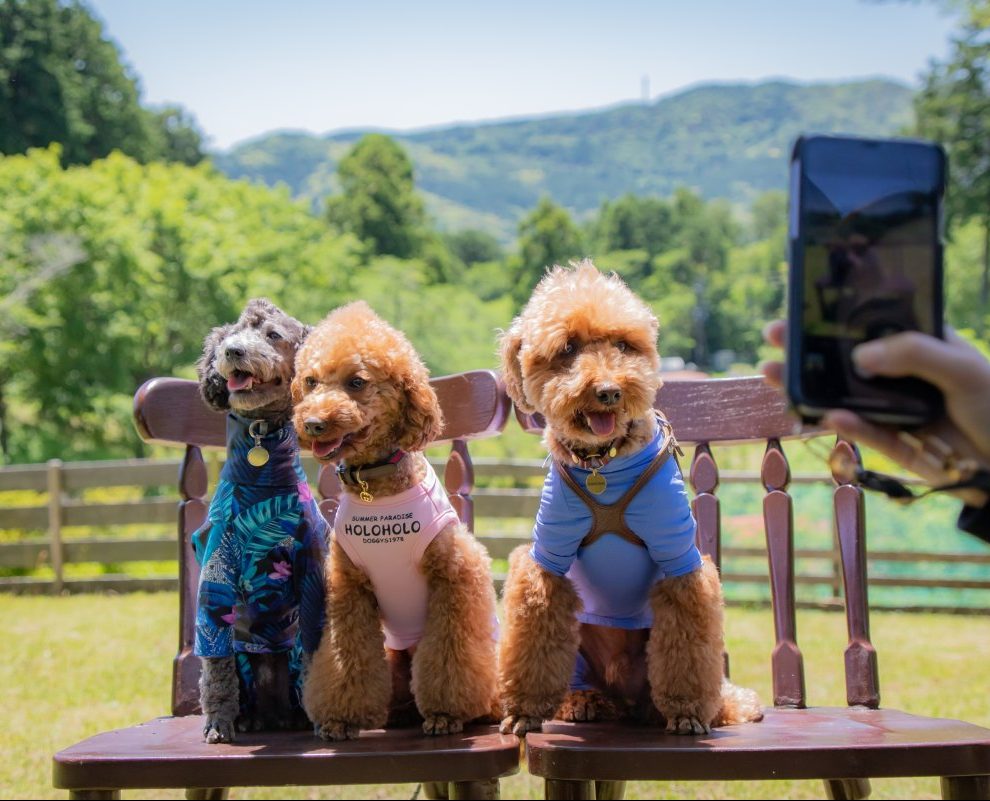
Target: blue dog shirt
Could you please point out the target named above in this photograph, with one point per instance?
(612, 575)
(261, 552)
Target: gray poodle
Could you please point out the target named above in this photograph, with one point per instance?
(262, 548)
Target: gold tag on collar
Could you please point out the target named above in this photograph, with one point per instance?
(257, 456)
(366, 496)
(596, 482)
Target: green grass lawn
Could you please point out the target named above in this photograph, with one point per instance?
(80, 665)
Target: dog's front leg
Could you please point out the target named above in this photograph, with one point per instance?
(347, 686)
(219, 696)
(539, 645)
(684, 652)
(454, 678)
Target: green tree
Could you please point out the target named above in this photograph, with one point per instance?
(379, 203)
(179, 137)
(547, 236)
(634, 223)
(471, 246)
(953, 107)
(160, 253)
(62, 81)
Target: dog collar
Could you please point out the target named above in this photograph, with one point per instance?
(358, 475)
(595, 482)
(597, 460)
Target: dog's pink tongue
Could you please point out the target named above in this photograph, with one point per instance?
(602, 423)
(239, 381)
(323, 449)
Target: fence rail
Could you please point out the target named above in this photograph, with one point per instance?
(60, 511)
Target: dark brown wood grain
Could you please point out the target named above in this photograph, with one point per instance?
(786, 660)
(814, 743)
(170, 752)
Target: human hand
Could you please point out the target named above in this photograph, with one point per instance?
(960, 371)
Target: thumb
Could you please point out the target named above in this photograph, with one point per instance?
(950, 364)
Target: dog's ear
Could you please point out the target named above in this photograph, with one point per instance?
(424, 418)
(212, 385)
(510, 343)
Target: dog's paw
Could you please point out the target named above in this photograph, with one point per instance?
(442, 724)
(582, 705)
(686, 724)
(337, 730)
(520, 724)
(218, 730)
(246, 723)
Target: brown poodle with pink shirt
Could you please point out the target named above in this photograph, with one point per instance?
(411, 607)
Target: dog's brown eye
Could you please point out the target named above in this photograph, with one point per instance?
(621, 346)
(310, 382)
(274, 336)
(357, 383)
(569, 348)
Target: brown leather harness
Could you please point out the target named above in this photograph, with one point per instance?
(611, 518)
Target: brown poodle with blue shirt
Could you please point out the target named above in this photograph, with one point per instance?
(611, 612)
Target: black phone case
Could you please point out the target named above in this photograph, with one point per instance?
(799, 400)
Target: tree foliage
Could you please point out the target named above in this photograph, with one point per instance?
(378, 202)
(547, 236)
(953, 108)
(62, 80)
(165, 252)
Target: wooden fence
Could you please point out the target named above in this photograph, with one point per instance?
(507, 508)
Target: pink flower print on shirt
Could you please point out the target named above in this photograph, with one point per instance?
(304, 492)
(282, 571)
(230, 618)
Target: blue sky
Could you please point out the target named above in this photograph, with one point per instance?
(244, 67)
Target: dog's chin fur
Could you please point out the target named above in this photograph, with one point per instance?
(268, 401)
(572, 437)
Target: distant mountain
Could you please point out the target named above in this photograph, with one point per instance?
(730, 141)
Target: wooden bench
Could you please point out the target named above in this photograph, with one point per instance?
(844, 746)
(169, 752)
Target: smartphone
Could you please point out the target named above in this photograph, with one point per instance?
(865, 241)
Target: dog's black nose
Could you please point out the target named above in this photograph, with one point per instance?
(314, 426)
(234, 353)
(609, 394)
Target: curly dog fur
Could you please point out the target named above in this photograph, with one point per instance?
(247, 368)
(362, 394)
(582, 353)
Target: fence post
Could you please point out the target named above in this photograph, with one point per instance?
(836, 565)
(55, 520)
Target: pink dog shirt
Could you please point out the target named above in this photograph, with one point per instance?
(387, 539)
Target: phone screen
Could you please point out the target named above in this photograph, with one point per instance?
(866, 262)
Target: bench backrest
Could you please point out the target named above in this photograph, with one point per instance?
(171, 411)
(738, 410)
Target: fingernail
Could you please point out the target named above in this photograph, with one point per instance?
(868, 356)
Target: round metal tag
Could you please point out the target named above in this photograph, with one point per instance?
(257, 456)
(596, 483)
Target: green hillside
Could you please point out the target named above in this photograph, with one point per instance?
(726, 141)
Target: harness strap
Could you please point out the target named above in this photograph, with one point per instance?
(610, 518)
